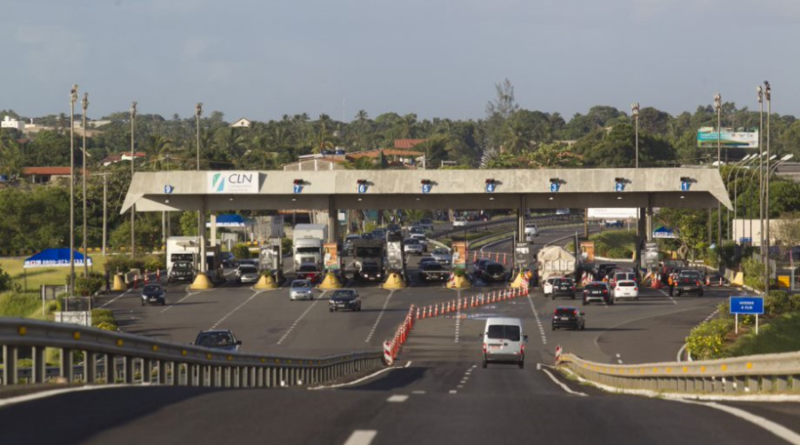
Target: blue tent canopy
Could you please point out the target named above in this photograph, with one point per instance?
(231, 220)
(663, 232)
(54, 258)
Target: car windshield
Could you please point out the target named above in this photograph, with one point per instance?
(595, 287)
(308, 250)
(300, 284)
(182, 266)
(343, 295)
(308, 268)
(566, 311)
(441, 252)
(503, 332)
(495, 268)
(432, 266)
(412, 241)
(214, 339)
(249, 269)
(564, 282)
(152, 288)
(626, 284)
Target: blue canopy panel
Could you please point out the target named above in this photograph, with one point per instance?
(54, 258)
(664, 232)
(231, 220)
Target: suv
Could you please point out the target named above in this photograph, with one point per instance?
(568, 317)
(218, 339)
(181, 271)
(689, 283)
(345, 299)
(369, 272)
(597, 291)
(563, 287)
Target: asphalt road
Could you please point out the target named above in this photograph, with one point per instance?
(438, 393)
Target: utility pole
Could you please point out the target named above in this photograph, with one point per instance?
(73, 97)
(718, 106)
(105, 210)
(760, 93)
(85, 106)
(133, 161)
(768, 96)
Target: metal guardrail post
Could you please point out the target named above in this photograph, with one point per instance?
(67, 369)
(10, 365)
(89, 366)
(39, 365)
(129, 372)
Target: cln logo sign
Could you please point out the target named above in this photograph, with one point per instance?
(232, 182)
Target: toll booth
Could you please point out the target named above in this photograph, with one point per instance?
(271, 258)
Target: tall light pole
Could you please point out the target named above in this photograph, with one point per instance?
(758, 189)
(718, 107)
(768, 97)
(198, 111)
(635, 115)
(133, 160)
(735, 169)
(73, 97)
(760, 93)
(85, 106)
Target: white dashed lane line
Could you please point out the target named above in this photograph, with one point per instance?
(214, 326)
(380, 316)
(188, 294)
(458, 317)
(291, 328)
(619, 359)
(116, 298)
(361, 437)
(397, 398)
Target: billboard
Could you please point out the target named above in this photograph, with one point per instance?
(613, 213)
(730, 138)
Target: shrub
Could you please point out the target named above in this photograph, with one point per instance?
(19, 304)
(776, 303)
(87, 286)
(104, 319)
(121, 263)
(707, 340)
(459, 272)
(6, 282)
(794, 302)
(241, 251)
(286, 245)
(619, 252)
(753, 271)
(154, 262)
(106, 326)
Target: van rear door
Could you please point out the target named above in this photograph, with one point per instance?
(503, 341)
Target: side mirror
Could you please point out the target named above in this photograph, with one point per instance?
(238, 342)
(526, 338)
(481, 335)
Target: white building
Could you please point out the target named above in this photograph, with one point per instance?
(242, 123)
(8, 122)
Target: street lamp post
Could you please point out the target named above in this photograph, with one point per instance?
(133, 160)
(757, 189)
(73, 97)
(198, 111)
(768, 97)
(85, 106)
(735, 169)
(718, 107)
(760, 93)
(635, 115)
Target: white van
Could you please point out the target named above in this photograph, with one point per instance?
(504, 341)
(531, 231)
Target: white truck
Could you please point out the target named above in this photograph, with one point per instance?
(555, 261)
(186, 249)
(307, 244)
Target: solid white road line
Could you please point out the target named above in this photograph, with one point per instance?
(563, 386)
(116, 298)
(407, 364)
(188, 294)
(214, 326)
(453, 391)
(774, 428)
(538, 321)
(354, 382)
(291, 328)
(54, 392)
(361, 437)
(397, 398)
(375, 326)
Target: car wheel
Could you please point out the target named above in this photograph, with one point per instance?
(163, 302)
(330, 309)
(573, 297)
(142, 302)
(553, 328)
(700, 294)
(583, 326)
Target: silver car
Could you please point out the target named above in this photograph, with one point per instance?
(412, 245)
(442, 256)
(248, 274)
(301, 290)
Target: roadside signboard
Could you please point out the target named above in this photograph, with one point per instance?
(460, 255)
(522, 256)
(331, 256)
(746, 305)
(707, 138)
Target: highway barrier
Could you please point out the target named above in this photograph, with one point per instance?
(137, 359)
(757, 374)
(461, 304)
(392, 347)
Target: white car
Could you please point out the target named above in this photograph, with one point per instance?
(248, 274)
(531, 230)
(412, 245)
(547, 287)
(301, 290)
(422, 239)
(460, 222)
(626, 289)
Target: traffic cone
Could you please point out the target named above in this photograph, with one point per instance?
(436, 310)
(720, 280)
(417, 313)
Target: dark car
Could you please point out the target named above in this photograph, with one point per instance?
(604, 269)
(181, 271)
(345, 299)
(568, 317)
(689, 284)
(394, 228)
(563, 287)
(493, 272)
(597, 291)
(369, 272)
(154, 294)
(433, 271)
(218, 339)
(379, 233)
(309, 272)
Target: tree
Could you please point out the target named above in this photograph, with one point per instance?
(498, 111)
(788, 232)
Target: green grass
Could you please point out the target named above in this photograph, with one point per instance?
(41, 275)
(782, 334)
(24, 304)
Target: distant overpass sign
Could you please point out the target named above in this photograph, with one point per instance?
(613, 213)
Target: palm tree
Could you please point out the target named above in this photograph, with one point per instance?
(409, 120)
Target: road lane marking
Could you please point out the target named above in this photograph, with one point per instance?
(668, 295)
(538, 322)
(354, 382)
(55, 392)
(188, 294)
(397, 398)
(418, 392)
(380, 316)
(559, 383)
(291, 328)
(774, 428)
(453, 391)
(214, 326)
(407, 364)
(116, 298)
(361, 437)
(458, 316)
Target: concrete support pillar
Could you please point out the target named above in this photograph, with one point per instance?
(10, 354)
(332, 224)
(128, 370)
(213, 229)
(39, 365)
(67, 368)
(89, 366)
(649, 224)
(522, 209)
(201, 230)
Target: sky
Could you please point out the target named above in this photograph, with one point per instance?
(262, 59)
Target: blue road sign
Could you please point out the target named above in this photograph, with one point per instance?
(747, 305)
(620, 187)
(685, 186)
(362, 188)
(426, 188)
(490, 186)
(554, 186)
(168, 189)
(744, 239)
(298, 188)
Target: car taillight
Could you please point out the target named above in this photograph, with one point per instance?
(605, 291)
(484, 348)
(636, 289)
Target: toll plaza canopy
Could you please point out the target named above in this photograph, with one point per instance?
(426, 189)
(54, 258)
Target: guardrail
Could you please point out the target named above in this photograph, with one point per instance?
(501, 222)
(145, 360)
(751, 374)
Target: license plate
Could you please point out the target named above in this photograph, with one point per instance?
(687, 288)
(153, 299)
(565, 318)
(494, 346)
